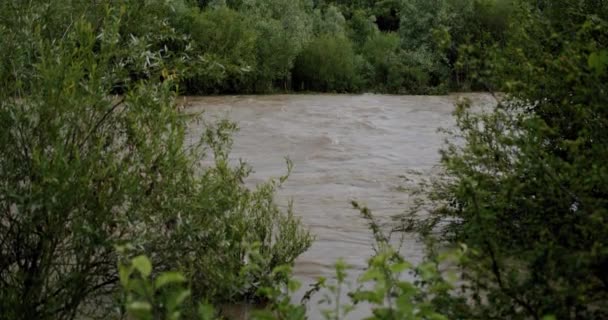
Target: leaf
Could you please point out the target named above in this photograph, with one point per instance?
(293, 285)
(400, 267)
(282, 270)
(437, 316)
(598, 61)
(124, 272)
(371, 275)
(169, 278)
(139, 307)
(206, 312)
(143, 265)
(177, 298)
(367, 295)
(263, 315)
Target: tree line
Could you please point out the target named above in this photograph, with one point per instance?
(265, 46)
(397, 46)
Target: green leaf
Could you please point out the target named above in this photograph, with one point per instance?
(263, 315)
(139, 307)
(598, 61)
(176, 299)
(370, 275)
(169, 278)
(367, 295)
(282, 270)
(293, 285)
(400, 267)
(436, 316)
(124, 272)
(143, 265)
(206, 312)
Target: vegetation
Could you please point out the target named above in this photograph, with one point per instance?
(98, 183)
(262, 46)
(527, 185)
(83, 171)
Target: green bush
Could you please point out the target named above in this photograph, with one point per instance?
(329, 21)
(526, 184)
(327, 64)
(362, 27)
(389, 68)
(82, 171)
(380, 53)
(225, 37)
(284, 26)
(432, 295)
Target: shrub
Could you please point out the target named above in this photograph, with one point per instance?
(527, 180)
(327, 64)
(82, 171)
(225, 37)
(362, 28)
(284, 26)
(389, 68)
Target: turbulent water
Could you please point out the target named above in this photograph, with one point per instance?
(343, 147)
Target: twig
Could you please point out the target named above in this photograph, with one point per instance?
(100, 122)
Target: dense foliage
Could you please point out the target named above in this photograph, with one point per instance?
(84, 171)
(527, 180)
(261, 46)
(97, 182)
(424, 55)
(397, 46)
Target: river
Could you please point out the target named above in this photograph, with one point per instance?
(343, 147)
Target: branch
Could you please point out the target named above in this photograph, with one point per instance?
(496, 269)
(100, 122)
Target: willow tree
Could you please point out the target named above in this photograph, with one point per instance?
(84, 171)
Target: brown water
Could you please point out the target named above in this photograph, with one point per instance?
(344, 147)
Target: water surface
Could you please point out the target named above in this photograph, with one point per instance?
(343, 147)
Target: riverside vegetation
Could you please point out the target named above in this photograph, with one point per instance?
(97, 183)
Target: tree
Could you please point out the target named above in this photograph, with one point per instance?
(224, 36)
(327, 63)
(283, 27)
(84, 171)
(527, 184)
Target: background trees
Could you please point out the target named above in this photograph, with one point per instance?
(251, 46)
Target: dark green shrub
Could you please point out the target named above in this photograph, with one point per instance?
(389, 68)
(327, 64)
(362, 28)
(527, 184)
(284, 26)
(225, 37)
(83, 171)
(380, 53)
(329, 21)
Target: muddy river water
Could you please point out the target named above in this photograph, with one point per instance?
(343, 147)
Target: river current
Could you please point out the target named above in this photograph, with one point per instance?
(344, 148)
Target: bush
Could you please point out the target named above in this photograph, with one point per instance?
(381, 287)
(83, 171)
(389, 68)
(527, 182)
(327, 64)
(284, 26)
(380, 53)
(225, 37)
(362, 28)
